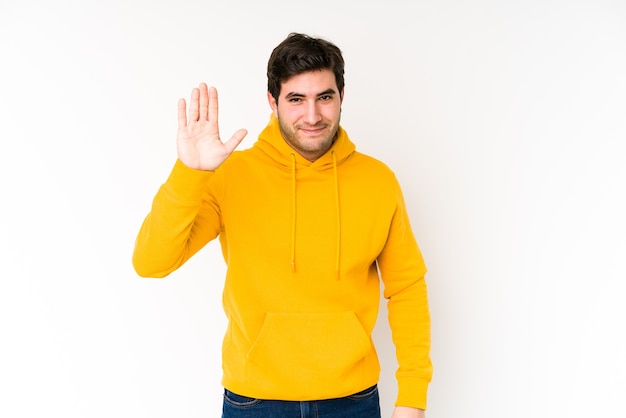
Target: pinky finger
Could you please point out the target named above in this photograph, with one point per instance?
(182, 113)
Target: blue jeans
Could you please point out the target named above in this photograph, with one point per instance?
(364, 404)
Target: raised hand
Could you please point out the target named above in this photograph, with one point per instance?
(198, 140)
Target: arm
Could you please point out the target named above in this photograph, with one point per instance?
(185, 215)
(402, 271)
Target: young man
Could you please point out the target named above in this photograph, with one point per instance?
(308, 226)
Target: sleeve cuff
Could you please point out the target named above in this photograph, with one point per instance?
(187, 184)
(412, 392)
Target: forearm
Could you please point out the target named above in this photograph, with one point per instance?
(177, 225)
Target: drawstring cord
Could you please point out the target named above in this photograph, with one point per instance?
(338, 215)
(293, 214)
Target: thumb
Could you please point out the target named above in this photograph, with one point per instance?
(235, 140)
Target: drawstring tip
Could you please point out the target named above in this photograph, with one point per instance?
(293, 266)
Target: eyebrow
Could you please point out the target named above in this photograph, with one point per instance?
(328, 92)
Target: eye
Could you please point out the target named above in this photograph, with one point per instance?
(326, 97)
(295, 100)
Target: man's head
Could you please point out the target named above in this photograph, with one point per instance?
(298, 54)
(305, 92)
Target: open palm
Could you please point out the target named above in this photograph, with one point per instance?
(198, 140)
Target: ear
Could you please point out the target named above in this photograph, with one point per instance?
(273, 103)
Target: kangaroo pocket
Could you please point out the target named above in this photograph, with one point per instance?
(302, 349)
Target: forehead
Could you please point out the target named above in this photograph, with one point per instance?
(310, 83)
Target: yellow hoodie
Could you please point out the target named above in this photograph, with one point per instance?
(304, 243)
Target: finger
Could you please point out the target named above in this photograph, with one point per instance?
(213, 105)
(182, 114)
(235, 140)
(204, 102)
(193, 105)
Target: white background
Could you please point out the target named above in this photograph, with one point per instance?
(504, 121)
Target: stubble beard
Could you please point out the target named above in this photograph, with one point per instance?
(309, 146)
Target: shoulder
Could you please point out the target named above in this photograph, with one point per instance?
(369, 165)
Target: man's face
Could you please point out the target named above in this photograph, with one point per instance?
(308, 110)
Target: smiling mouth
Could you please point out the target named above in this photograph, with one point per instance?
(313, 130)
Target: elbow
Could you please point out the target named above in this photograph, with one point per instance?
(148, 270)
(146, 274)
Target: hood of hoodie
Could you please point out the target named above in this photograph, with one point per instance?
(272, 143)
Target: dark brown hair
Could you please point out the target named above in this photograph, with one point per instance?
(300, 53)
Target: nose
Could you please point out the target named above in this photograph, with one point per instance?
(312, 113)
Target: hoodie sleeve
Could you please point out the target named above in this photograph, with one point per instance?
(402, 271)
(183, 218)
